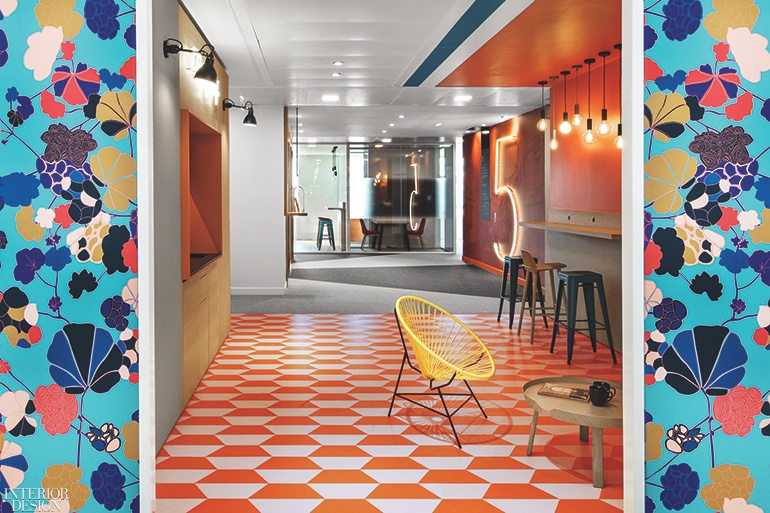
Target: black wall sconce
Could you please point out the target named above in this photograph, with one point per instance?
(250, 119)
(206, 72)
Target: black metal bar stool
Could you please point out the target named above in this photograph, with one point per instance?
(569, 283)
(325, 222)
(511, 268)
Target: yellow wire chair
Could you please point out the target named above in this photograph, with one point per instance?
(445, 349)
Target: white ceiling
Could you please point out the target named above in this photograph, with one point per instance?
(281, 53)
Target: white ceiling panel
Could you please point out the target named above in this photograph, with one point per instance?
(281, 53)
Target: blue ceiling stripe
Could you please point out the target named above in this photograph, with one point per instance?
(472, 19)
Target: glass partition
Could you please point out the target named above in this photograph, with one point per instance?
(403, 192)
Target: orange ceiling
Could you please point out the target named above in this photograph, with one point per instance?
(549, 36)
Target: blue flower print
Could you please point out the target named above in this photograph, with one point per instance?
(58, 258)
(762, 193)
(682, 18)
(18, 189)
(670, 313)
(680, 486)
(107, 485)
(671, 82)
(734, 261)
(650, 37)
(3, 49)
(28, 262)
(102, 18)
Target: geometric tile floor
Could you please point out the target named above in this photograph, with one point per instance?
(291, 417)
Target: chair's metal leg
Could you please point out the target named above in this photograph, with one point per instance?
(449, 417)
(475, 399)
(395, 391)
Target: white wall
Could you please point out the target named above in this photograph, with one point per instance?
(257, 223)
(160, 393)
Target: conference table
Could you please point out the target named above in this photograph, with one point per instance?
(403, 222)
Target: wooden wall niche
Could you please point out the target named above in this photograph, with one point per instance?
(201, 194)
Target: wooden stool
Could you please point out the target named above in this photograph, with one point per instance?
(532, 271)
(569, 283)
(511, 266)
(325, 222)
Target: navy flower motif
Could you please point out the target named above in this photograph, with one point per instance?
(738, 306)
(18, 189)
(683, 18)
(672, 248)
(671, 82)
(111, 80)
(28, 262)
(3, 48)
(670, 313)
(3, 240)
(650, 37)
(115, 310)
(762, 191)
(739, 242)
(112, 245)
(696, 111)
(704, 283)
(130, 36)
(680, 486)
(55, 304)
(107, 486)
(84, 281)
(102, 18)
(58, 258)
(760, 262)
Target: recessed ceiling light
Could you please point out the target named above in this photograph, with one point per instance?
(356, 139)
(312, 140)
(299, 115)
(392, 124)
(302, 131)
(463, 98)
(384, 131)
(386, 140)
(335, 74)
(378, 145)
(485, 131)
(437, 124)
(311, 145)
(330, 98)
(337, 63)
(400, 116)
(300, 124)
(483, 124)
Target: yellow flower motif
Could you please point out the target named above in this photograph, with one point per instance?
(701, 246)
(66, 476)
(730, 14)
(117, 171)
(86, 242)
(26, 226)
(666, 174)
(59, 13)
(653, 434)
(131, 440)
(727, 482)
(761, 234)
(117, 112)
(666, 115)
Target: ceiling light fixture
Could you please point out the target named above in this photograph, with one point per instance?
(554, 143)
(577, 120)
(206, 72)
(336, 74)
(437, 124)
(250, 119)
(392, 124)
(400, 116)
(337, 63)
(604, 127)
(463, 98)
(619, 138)
(386, 140)
(565, 127)
(542, 124)
(384, 131)
(588, 135)
(330, 98)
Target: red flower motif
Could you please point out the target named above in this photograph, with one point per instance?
(712, 88)
(761, 337)
(737, 409)
(652, 257)
(729, 219)
(62, 216)
(56, 407)
(741, 108)
(68, 50)
(51, 106)
(75, 86)
(721, 50)
(5, 367)
(128, 69)
(130, 256)
(652, 71)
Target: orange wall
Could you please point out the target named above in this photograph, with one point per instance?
(586, 177)
(522, 168)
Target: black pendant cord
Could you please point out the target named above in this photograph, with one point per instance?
(619, 48)
(589, 62)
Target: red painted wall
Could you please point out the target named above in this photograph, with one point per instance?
(586, 177)
(522, 168)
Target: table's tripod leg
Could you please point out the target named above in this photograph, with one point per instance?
(597, 453)
(532, 433)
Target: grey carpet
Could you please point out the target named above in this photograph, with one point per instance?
(447, 279)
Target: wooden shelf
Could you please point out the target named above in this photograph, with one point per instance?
(290, 214)
(575, 229)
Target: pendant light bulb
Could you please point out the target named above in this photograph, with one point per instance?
(604, 128)
(619, 138)
(554, 141)
(588, 136)
(577, 119)
(542, 124)
(565, 127)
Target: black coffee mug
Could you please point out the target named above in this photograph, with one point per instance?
(600, 395)
(604, 384)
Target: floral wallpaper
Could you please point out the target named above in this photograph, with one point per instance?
(68, 257)
(707, 255)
